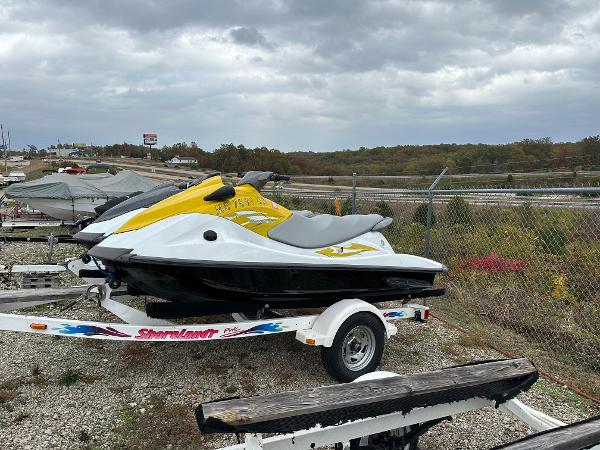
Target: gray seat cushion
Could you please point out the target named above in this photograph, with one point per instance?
(322, 230)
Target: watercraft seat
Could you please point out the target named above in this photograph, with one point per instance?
(321, 230)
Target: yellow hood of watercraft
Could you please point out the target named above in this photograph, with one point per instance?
(248, 208)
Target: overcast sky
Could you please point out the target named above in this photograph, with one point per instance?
(303, 75)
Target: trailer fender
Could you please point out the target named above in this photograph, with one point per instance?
(325, 327)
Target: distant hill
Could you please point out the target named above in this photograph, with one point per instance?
(522, 156)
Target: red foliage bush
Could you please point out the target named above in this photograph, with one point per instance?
(492, 264)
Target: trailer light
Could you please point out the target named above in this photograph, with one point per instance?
(426, 314)
(38, 326)
(311, 341)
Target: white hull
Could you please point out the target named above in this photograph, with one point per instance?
(181, 238)
(66, 209)
(107, 227)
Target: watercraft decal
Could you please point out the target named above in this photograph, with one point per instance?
(250, 218)
(348, 250)
(394, 314)
(90, 330)
(149, 333)
(273, 327)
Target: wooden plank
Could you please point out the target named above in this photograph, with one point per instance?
(239, 413)
(32, 268)
(34, 295)
(578, 435)
(6, 307)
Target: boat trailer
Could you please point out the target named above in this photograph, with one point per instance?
(351, 332)
(383, 411)
(379, 411)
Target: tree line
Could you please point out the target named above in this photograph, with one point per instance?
(522, 156)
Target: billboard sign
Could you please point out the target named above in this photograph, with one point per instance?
(79, 145)
(150, 138)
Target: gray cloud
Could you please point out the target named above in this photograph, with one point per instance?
(251, 37)
(299, 75)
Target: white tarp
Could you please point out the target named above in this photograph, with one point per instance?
(65, 186)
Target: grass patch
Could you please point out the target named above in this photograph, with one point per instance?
(466, 340)
(248, 384)
(156, 425)
(15, 383)
(564, 395)
(136, 353)
(231, 389)
(400, 353)
(69, 377)
(284, 375)
(414, 336)
(7, 396)
(454, 353)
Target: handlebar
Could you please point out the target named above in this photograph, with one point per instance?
(277, 177)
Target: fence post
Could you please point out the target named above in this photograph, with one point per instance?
(51, 241)
(430, 211)
(354, 193)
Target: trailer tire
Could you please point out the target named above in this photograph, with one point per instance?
(356, 349)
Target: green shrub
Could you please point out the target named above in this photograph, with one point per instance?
(69, 377)
(327, 207)
(406, 239)
(289, 202)
(552, 238)
(347, 207)
(458, 211)
(420, 215)
(505, 240)
(529, 215)
(384, 209)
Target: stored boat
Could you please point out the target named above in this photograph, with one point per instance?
(75, 197)
(229, 249)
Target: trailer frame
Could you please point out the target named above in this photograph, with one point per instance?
(313, 330)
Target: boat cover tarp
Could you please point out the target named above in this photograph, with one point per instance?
(65, 186)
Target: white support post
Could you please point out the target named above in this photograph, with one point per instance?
(131, 315)
(319, 437)
(532, 417)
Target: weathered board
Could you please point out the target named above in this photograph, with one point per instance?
(290, 411)
(576, 436)
(34, 295)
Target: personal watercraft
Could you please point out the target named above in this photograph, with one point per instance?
(217, 248)
(120, 212)
(116, 212)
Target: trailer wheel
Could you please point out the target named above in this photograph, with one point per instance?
(357, 347)
(113, 283)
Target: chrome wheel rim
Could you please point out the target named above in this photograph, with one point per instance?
(358, 348)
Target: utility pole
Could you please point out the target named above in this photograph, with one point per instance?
(4, 148)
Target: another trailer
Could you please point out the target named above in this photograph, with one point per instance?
(383, 410)
(351, 333)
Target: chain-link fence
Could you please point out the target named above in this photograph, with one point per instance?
(524, 264)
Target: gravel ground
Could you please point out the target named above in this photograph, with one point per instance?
(89, 394)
